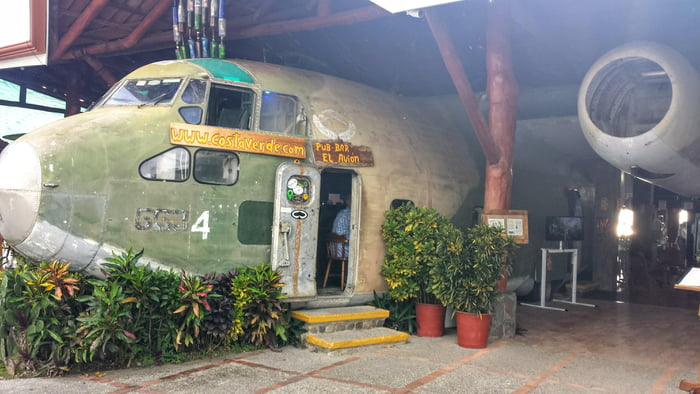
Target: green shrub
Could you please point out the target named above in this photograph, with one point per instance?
(37, 318)
(155, 294)
(468, 283)
(416, 238)
(52, 319)
(217, 322)
(402, 314)
(258, 312)
(194, 304)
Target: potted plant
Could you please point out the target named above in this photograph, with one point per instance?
(468, 284)
(417, 238)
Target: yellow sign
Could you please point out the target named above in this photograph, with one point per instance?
(237, 140)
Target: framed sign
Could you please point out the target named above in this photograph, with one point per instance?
(514, 222)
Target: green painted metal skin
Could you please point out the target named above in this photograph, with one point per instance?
(94, 159)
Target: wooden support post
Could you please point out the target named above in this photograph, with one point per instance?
(464, 89)
(502, 91)
(496, 139)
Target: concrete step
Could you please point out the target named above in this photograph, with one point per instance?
(332, 329)
(354, 338)
(341, 318)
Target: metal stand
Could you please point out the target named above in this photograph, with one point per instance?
(543, 284)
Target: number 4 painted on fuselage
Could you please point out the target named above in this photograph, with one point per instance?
(202, 225)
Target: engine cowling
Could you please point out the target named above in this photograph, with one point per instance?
(639, 109)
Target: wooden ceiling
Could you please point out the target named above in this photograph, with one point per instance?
(95, 42)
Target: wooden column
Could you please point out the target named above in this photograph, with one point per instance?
(502, 92)
(496, 138)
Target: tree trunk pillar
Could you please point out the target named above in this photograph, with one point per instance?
(502, 90)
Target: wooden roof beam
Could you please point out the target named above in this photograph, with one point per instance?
(127, 42)
(265, 29)
(100, 69)
(78, 26)
(312, 23)
(464, 89)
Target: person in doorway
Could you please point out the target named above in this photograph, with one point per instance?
(341, 225)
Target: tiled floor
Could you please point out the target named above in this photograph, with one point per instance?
(618, 348)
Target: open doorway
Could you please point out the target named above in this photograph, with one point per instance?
(334, 254)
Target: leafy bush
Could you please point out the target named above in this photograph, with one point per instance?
(193, 299)
(402, 315)
(416, 238)
(468, 283)
(258, 311)
(52, 319)
(37, 318)
(155, 294)
(217, 322)
(105, 327)
(143, 299)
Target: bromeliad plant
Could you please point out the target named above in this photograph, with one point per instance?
(468, 284)
(416, 239)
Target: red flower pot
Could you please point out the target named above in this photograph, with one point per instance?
(430, 319)
(473, 330)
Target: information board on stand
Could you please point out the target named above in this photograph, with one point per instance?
(514, 222)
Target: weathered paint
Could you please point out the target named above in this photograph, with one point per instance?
(101, 204)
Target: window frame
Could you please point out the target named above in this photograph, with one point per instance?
(194, 166)
(298, 110)
(189, 166)
(254, 104)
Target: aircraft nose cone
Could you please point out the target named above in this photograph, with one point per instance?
(20, 188)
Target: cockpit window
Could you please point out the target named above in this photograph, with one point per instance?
(230, 107)
(280, 113)
(145, 91)
(171, 165)
(194, 92)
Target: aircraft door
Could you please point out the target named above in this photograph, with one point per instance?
(295, 228)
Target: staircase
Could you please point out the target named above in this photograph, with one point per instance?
(332, 329)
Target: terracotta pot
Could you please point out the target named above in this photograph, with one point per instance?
(430, 319)
(473, 330)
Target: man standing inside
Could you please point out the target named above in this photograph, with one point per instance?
(341, 226)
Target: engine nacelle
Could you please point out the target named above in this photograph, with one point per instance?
(639, 108)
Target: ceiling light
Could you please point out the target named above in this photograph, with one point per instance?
(395, 6)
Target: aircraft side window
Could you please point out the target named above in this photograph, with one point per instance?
(398, 202)
(215, 167)
(171, 165)
(230, 107)
(191, 115)
(194, 92)
(281, 113)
